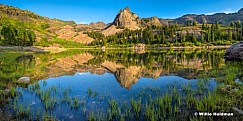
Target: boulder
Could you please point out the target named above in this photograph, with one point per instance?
(238, 110)
(235, 52)
(24, 80)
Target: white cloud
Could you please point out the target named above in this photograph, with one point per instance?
(227, 11)
(210, 13)
(82, 73)
(83, 22)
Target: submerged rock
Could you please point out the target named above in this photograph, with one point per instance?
(24, 80)
(235, 52)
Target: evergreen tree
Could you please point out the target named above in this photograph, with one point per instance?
(202, 37)
(163, 37)
(212, 33)
(238, 24)
(229, 34)
(194, 23)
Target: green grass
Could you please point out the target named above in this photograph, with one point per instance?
(61, 42)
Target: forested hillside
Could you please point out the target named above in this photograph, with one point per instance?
(15, 33)
(24, 28)
(175, 35)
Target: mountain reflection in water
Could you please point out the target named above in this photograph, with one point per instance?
(127, 66)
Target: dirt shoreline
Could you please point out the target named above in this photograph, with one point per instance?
(194, 47)
(37, 49)
(27, 48)
(58, 49)
(180, 47)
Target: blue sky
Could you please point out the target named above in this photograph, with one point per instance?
(87, 11)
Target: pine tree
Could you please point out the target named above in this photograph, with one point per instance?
(238, 24)
(203, 26)
(229, 34)
(194, 23)
(162, 37)
(212, 33)
(202, 37)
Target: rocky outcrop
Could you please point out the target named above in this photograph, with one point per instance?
(235, 52)
(153, 21)
(125, 19)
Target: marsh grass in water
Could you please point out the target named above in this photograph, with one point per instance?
(177, 104)
(150, 103)
(51, 99)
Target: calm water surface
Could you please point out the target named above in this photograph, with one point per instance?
(70, 84)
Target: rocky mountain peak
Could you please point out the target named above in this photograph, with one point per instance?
(127, 9)
(125, 19)
(240, 11)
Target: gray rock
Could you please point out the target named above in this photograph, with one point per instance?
(235, 52)
(24, 80)
(238, 110)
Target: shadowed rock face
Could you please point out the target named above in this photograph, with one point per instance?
(235, 52)
(240, 11)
